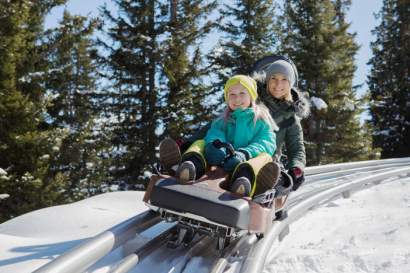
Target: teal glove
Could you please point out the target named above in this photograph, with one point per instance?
(231, 163)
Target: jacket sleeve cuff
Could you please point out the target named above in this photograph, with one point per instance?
(246, 153)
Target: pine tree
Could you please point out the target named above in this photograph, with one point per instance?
(319, 43)
(388, 81)
(183, 105)
(132, 101)
(26, 147)
(71, 83)
(249, 34)
(154, 63)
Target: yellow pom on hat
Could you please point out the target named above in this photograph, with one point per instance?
(245, 81)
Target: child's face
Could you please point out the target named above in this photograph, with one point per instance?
(278, 86)
(238, 97)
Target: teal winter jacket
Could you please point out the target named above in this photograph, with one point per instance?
(243, 133)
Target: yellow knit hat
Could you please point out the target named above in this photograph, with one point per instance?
(245, 81)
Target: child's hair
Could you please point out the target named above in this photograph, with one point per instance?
(261, 112)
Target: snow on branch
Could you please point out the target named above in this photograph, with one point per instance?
(318, 103)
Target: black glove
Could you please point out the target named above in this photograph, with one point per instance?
(297, 176)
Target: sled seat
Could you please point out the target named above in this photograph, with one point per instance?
(204, 198)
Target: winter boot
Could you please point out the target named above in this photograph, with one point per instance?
(284, 185)
(186, 172)
(267, 178)
(241, 186)
(169, 154)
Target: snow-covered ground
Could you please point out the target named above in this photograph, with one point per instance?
(370, 232)
(33, 239)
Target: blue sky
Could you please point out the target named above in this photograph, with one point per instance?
(361, 16)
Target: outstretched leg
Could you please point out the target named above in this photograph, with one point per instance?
(194, 163)
(261, 172)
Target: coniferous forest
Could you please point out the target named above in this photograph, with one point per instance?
(84, 105)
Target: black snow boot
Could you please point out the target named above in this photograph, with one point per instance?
(284, 185)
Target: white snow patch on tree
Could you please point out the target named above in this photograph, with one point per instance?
(4, 196)
(349, 105)
(2, 172)
(146, 38)
(384, 132)
(218, 51)
(45, 157)
(318, 103)
(147, 174)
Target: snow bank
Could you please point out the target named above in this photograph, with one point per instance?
(33, 239)
(368, 233)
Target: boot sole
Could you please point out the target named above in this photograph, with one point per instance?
(169, 154)
(267, 178)
(239, 188)
(185, 173)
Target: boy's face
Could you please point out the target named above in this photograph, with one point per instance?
(278, 86)
(238, 97)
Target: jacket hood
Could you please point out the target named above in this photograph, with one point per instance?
(301, 104)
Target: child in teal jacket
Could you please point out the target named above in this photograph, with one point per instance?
(248, 127)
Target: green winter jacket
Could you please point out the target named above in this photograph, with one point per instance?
(243, 133)
(287, 116)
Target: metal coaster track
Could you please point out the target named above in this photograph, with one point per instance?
(327, 182)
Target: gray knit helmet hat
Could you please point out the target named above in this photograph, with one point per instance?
(281, 67)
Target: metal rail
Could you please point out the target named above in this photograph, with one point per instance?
(88, 253)
(133, 259)
(350, 171)
(221, 263)
(354, 165)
